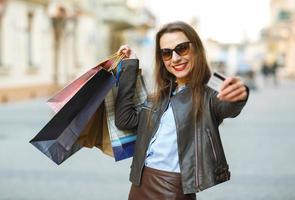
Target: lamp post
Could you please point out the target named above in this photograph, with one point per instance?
(57, 14)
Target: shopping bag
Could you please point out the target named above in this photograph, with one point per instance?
(105, 135)
(96, 133)
(57, 101)
(123, 142)
(58, 139)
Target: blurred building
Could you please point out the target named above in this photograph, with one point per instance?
(276, 45)
(235, 58)
(243, 59)
(280, 35)
(45, 43)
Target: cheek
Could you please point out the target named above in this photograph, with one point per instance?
(167, 65)
(190, 62)
(192, 58)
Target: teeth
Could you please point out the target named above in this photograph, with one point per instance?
(179, 67)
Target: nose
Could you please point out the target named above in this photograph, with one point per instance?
(175, 57)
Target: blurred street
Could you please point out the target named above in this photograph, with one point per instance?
(258, 145)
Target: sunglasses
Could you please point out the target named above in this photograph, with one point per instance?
(181, 49)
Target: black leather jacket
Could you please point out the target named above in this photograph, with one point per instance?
(201, 156)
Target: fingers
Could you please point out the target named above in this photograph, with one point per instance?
(230, 84)
(126, 51)
(233, 89)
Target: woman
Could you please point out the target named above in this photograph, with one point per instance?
(178, 150)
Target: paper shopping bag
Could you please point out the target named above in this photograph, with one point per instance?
(96, 133)
(57, 101)
(58, 139)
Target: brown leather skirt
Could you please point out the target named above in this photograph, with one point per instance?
(159, 185)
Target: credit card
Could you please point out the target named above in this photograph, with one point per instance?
(216, 81)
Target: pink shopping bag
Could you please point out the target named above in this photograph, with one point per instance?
(57, 101)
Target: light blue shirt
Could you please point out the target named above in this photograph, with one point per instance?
(162, 152)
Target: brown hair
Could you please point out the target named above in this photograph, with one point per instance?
(199, 75)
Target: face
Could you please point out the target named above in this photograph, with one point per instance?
(179, 61)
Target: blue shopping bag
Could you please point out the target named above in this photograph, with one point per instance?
(122, 141)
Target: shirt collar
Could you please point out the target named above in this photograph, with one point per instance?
(179, 88)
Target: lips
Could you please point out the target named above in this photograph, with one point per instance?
(179, 67)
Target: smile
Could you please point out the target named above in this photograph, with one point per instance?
(179, 67)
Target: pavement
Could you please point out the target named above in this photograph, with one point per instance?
(259, 145)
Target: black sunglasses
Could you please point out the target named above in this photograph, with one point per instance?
(181, 49)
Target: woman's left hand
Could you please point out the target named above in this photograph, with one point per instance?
(233, 89)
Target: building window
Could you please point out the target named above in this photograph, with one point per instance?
(1, 45)
(30, 17)
(284, 15)
(2, 11)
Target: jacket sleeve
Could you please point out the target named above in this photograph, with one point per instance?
(126, 115)
(224, 109)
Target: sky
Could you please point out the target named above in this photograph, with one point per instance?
(222, 20)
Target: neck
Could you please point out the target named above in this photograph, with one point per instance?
(181, 81)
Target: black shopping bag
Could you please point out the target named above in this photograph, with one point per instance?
(58, 139)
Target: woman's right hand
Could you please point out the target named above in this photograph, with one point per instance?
(127, 51)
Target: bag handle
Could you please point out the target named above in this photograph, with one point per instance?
(118, 59)
(115, 58)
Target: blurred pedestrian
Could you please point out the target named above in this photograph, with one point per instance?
(269, 72)
(273, 71)
(266, 72)
(265, 69)
(178, 150)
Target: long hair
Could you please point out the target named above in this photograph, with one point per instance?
(199, 75)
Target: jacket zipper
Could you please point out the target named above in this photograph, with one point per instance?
(212, 144)
(197, 161)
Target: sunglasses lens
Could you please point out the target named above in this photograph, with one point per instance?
(166, 54)
(182, 49)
